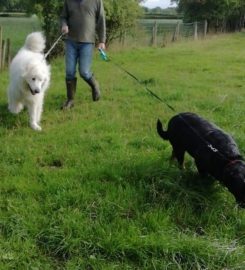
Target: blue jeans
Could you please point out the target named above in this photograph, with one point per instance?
(81, 54)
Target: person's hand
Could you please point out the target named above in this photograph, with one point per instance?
(64, 29)
(101, 46)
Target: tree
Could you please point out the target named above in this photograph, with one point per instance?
(120, 17)
(11, 5)
(218, 13)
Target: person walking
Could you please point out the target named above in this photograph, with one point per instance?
(82, 21)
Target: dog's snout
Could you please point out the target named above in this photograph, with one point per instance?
(35, 91)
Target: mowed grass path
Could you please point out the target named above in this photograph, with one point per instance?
(95, 190)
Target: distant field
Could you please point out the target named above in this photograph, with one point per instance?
(16, 29)
(159, 21)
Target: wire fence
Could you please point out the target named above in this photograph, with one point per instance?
(161, 32)
(147, 32)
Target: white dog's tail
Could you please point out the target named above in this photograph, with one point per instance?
(35, 42)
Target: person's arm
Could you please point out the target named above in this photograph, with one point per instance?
(64, 19)
(101, 25)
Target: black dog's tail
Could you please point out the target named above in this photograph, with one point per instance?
(161, 132)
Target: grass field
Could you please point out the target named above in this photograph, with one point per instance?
(95, 190)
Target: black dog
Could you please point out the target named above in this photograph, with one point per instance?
(214, 151)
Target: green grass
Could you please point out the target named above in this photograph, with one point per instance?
(95, 190)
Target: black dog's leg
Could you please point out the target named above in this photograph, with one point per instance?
(172, 158)
(179, 155)
(202, 172)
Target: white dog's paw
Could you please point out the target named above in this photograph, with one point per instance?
(15, 109)
(35, 126)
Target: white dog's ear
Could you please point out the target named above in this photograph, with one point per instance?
(48, 68)
(29, 68)
(47, 72)
(24, 74)
(44, 82)
(27, 71)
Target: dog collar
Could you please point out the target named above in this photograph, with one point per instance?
(232, 162)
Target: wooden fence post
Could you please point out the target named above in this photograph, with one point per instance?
(154, 34)
(8, 52)
(195, 31)
(122, 37)
(176, 32)
(3, 53)
(205, 27)
(1, 37)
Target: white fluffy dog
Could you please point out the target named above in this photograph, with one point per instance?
(29, 79)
